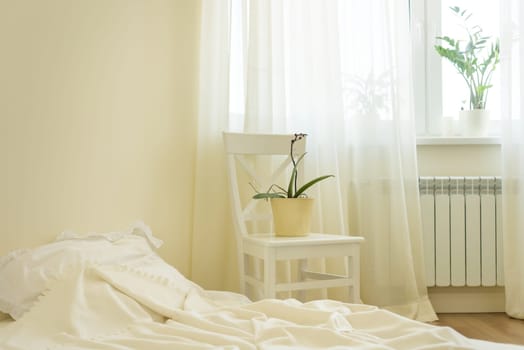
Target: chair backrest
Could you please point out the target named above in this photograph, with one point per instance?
(245, 152)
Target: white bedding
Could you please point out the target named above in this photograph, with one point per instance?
(143, 303)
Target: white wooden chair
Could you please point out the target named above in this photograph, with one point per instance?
(253, 246)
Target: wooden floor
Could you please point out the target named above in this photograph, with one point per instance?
(497, 327)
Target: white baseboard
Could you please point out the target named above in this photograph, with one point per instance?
(467, 299)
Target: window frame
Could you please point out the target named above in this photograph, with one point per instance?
(426, 18)
(427, 97)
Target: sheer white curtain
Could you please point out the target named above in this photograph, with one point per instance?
(339, 71)
(512, 56)
(380, 133)
(213, 244)
(293, 84)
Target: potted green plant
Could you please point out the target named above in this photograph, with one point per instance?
(291, 207)
(475, 59)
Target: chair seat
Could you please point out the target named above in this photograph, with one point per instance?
(314, 245)
(313, 239)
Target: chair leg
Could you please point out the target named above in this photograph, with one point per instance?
(257, 294)
(355, 274)
(323, 291)
(269, 275)
(288, 276)
(353, 271)
(302, 268)
(244, 286)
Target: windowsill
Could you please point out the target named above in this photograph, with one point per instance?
(458, 140)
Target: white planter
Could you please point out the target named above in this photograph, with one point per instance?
(292, 216)
(474, 122)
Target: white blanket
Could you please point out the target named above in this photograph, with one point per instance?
(122, 307)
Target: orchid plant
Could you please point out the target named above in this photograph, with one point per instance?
(292, 191)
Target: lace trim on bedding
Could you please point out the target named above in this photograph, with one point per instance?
(91, 265)
(151, 276)
(19, 312)
(86, 265)
(137, 266)
(88, 270)
(104, 272)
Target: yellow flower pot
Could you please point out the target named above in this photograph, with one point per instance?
(292, 216)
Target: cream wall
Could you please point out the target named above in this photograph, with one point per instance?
(98, 119)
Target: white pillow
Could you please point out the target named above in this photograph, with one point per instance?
(24, 273)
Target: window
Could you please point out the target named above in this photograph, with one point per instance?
(440, 92)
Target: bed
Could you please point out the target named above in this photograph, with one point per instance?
(112, 291)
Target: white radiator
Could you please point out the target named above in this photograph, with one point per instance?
(461, 220)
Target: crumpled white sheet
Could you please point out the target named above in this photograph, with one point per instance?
(120, 307)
